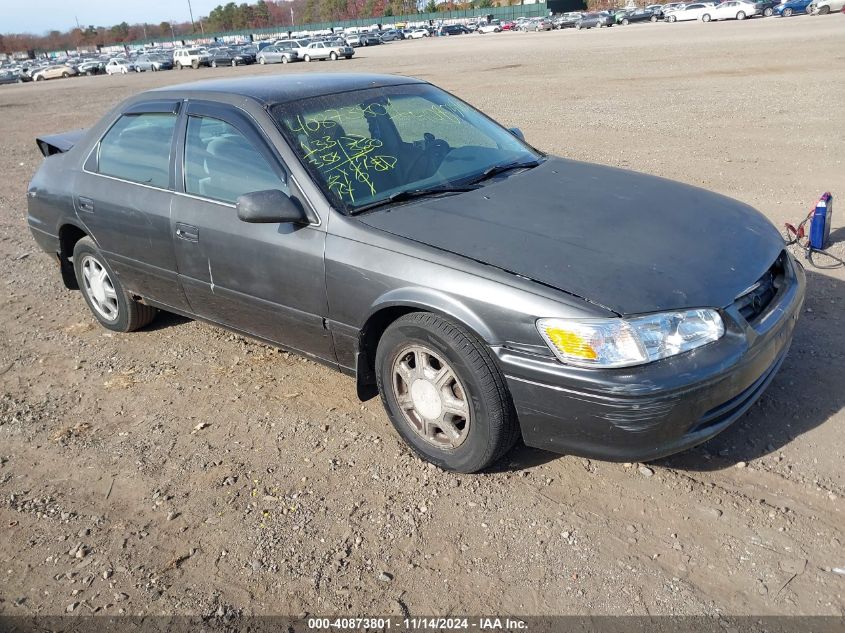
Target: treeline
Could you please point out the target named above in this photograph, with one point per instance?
(235, 17)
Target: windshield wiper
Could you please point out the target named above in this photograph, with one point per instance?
(499, 169)
(410, 194)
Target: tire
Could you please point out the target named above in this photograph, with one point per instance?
(234, 63)
(195, 64)
(39, 78)
(178, 65)
(577, 27)
(65, 75)
(787, 13)
(824, 10)
(653, 18)
(768, 12)
(137, 69)
(673, 18)
(307, 58)
(705, 17)
(214, 64)
(489, 427)
(263, 61)
(285, 59)
(129, 314)
(740, 15)
(625, 22)
(333, 56)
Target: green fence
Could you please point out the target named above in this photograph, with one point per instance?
(501, 13)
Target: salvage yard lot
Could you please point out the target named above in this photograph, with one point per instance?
(184, 469)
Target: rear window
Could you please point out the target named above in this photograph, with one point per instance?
(137, 148)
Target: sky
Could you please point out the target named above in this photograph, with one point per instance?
(40, 16)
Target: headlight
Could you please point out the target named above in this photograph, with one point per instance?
(619, 342)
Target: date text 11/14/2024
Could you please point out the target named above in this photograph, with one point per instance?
(418, 624)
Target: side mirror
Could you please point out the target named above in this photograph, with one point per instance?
(517, 133)
(270, 207)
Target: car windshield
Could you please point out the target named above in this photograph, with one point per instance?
(363, 147)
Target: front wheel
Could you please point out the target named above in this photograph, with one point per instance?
(787, 13)
(263, 61)
(824, 10)
(307, 58)
(444, 393)
(625, 22)
(234, 63)
(740, 15)
(178, 65)
(110, 304)
(705, 17)
(214, 64)
(653, 18)
(672, 18)
(768, 12)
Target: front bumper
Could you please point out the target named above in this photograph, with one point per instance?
(646, 412)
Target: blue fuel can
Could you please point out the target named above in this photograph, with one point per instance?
(820, 224)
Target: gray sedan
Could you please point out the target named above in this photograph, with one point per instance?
(384, 227)
(276, 55)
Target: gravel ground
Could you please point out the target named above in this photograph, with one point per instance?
(182, 469)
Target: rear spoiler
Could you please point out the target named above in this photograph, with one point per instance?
(58, 143)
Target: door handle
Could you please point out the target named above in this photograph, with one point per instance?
(187, 232)
(85, 204)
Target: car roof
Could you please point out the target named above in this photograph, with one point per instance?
(282, 89)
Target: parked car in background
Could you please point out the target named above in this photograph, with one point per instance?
(276, 55)
(595, 20)
(417, 34)
(823, 7)
(792, 7)
(151, 63)
(633, 331)
(9, 77)
(509, 25)
(453, 29)
(567, 20)
(731, 10)
(689, 12)
(190, 58)
(222, 56)
(637, 15)
(370, 39)
(324, 50)
(767, 7)
(119, 67)
(91, 67)
(494, 26)
(391, 35)
(54, 72)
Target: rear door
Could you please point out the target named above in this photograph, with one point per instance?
(124, 195)
(267, 280)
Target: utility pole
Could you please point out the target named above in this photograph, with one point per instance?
(291, 16)
(77, 23)
(191, 13)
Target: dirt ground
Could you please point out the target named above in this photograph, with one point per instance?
(296, 498)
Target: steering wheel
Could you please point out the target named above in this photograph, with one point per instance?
(434, 151)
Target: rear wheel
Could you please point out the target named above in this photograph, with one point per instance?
(110, 304)
(333, 56)
(653, 18)
(768, 12)
(214, 64)
(195, 64)
(65, 75)
(740, 15)
(705, 17)
(673, 18)
(787, 13)
(234, 63)
(307, 58)
(178, 65)
(444, 393)
(625, 22)
(263, 61)
(285, 59)
(824, 10)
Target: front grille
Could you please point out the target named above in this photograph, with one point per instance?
(754, 301)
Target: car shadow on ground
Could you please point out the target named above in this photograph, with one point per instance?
(808, 391)
(165, 320)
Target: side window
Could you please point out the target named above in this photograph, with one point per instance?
(137, 148)
(222, 164)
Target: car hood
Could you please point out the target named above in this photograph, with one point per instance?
(630, 242)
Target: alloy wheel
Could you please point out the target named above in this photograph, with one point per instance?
(433, 400)
(99, 288)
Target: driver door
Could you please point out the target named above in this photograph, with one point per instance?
(267, 280)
